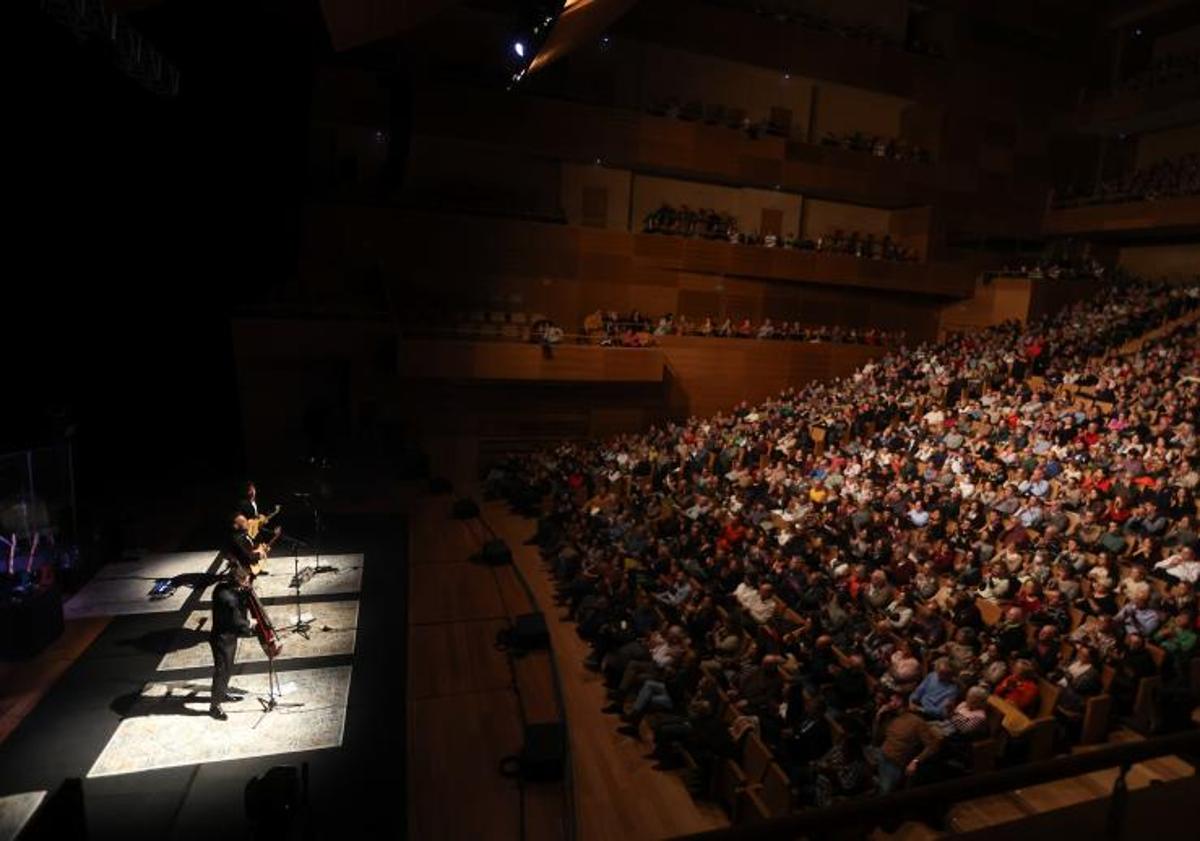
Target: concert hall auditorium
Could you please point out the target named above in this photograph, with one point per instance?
(601, 420)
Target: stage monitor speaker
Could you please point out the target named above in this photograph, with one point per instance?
(30, 623)
(530, 632)
(543, 756)
(275, 802)
(496, 553)
(464, 508)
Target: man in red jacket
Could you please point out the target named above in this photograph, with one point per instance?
(1020, 688)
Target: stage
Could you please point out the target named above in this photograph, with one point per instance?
(129, 717)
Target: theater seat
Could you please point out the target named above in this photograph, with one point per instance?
(756, 758)
(728, 785)
(750, 808)
(777, 791)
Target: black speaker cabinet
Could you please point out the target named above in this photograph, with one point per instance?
(496, 553)
(29, 624)
(543, 758)
(464, 509)
(529, 632)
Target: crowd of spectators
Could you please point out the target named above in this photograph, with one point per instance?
(738, 118)
(637, 330)
(1165, 71)
(801, 13)
(686, 222)
(962, 543)
(1083, 268)
(1163, 179)
(877, 145)
(634, 329)
(718, 114)
(867, 246)
(711, 224)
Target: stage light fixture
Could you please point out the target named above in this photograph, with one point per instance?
(530, 27)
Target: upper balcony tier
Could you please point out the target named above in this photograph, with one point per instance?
(975, 83)
(434, 245)
(698, 150)
(1127, 219)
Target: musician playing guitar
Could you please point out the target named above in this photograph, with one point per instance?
(255, 518)
(243, 551)
(228, 623)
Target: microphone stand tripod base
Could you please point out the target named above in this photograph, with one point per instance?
(275, 691)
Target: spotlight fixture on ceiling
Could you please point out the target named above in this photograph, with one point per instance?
(531, 27)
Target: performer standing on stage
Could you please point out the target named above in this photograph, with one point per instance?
(256, 518)
(249, 504)
(229, 622)
(242, 549)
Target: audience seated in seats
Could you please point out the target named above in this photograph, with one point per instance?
(880, 147)
(710, 224)
(634, 329)
(1061, 268)
(1162, 179)
(754, 571)
(1165, 70)
(804, 14)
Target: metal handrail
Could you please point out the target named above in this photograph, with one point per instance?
(896, 807)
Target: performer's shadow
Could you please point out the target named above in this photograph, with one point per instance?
(195, 580)
(166, 640)
(191, 700)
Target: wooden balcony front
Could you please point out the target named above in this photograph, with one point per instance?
(1170, 215)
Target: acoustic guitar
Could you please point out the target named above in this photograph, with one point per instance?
(254, 524)
(257, 565)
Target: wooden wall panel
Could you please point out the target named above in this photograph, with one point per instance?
(1172, 262)
(574, 132)
(824, 217)
(576, 179)
(465, 360)
(1130, 216)
(713, 375)
(844, 110)
(684, 75)
(504, 392)
(564, 272)
(1172, 143)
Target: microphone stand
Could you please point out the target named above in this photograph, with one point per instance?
(316, 512)
(301, 626)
